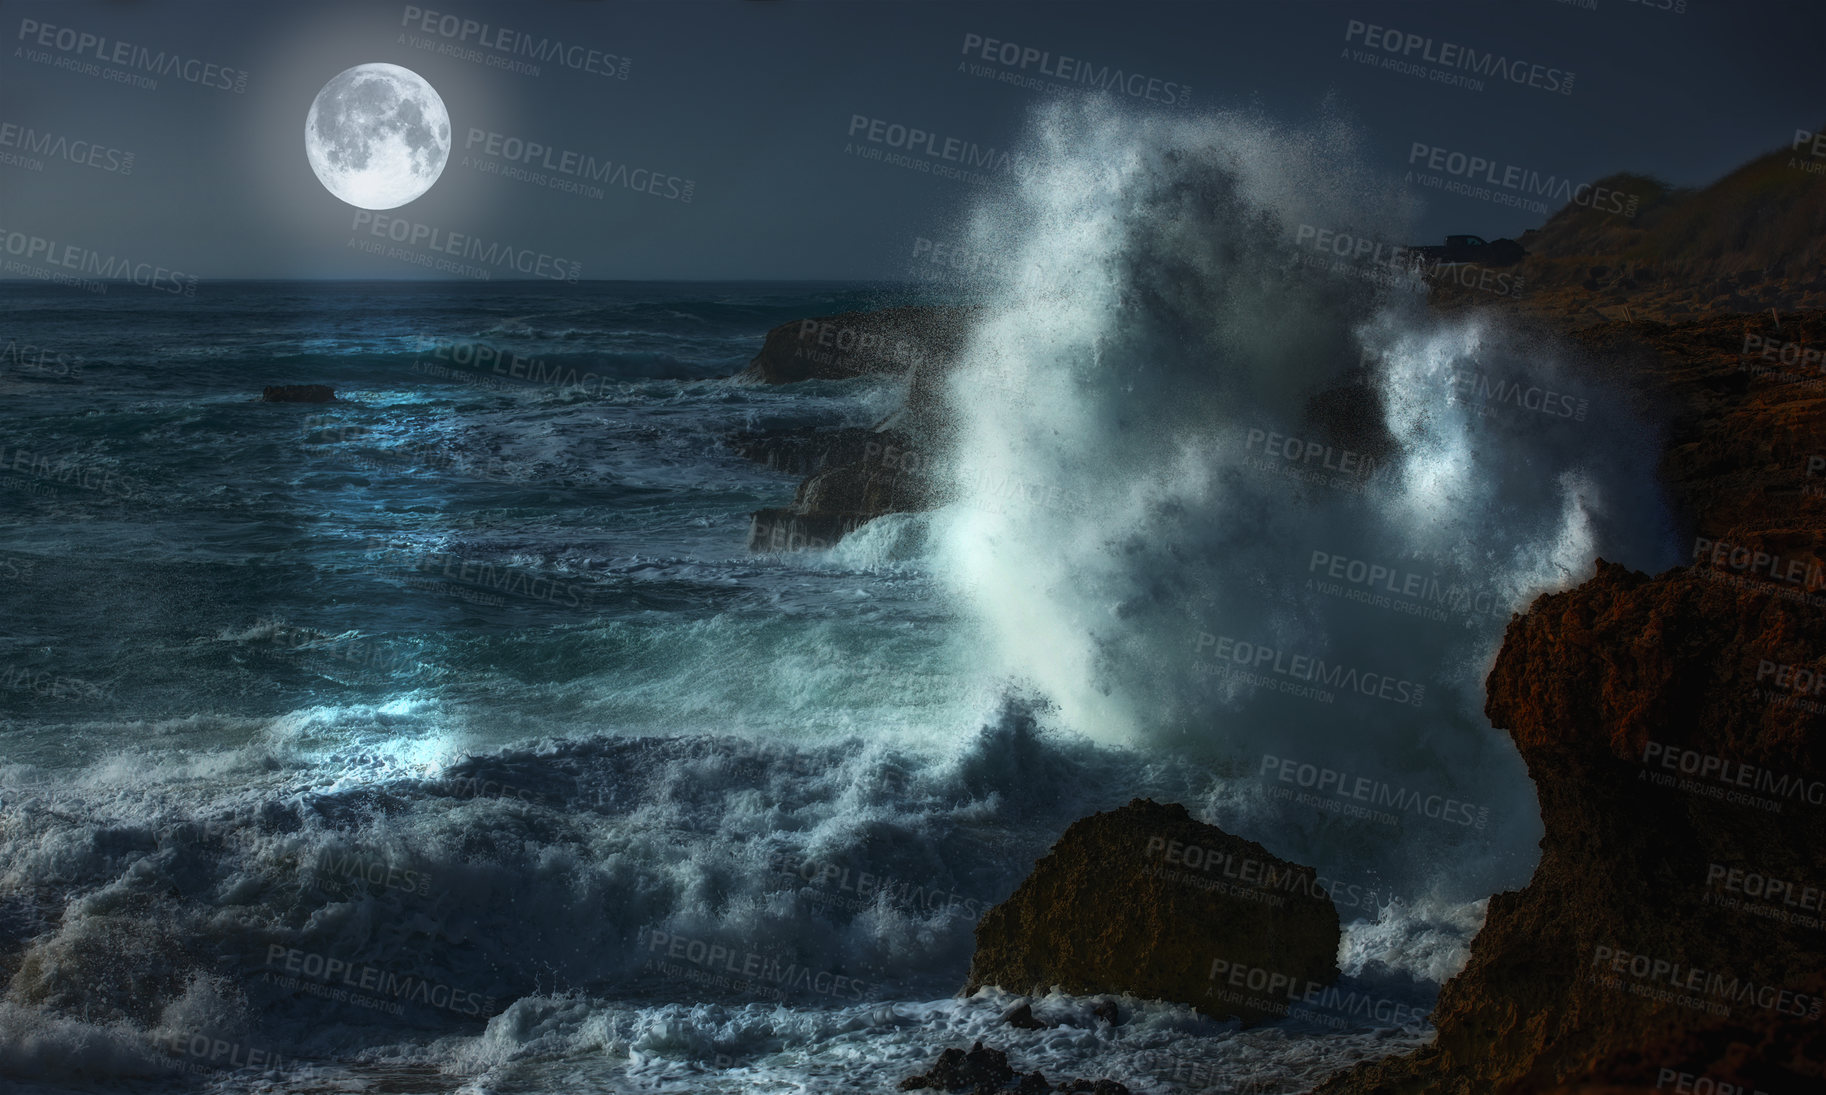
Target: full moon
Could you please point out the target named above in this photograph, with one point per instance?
(377, 136)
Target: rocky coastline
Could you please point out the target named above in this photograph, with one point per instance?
(1674, 725)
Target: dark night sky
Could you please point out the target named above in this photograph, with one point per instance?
(752, 100)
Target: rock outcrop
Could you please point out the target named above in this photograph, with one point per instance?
(855, 475)
(1673, 936)
(1148, 901)
(888, 342)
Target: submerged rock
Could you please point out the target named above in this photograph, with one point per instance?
(1148, 901)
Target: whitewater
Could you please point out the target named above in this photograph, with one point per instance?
(447, 737)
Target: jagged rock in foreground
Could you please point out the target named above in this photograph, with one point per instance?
(1670, 928)
(1148, 901)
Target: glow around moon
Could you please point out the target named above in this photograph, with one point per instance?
(377, 136)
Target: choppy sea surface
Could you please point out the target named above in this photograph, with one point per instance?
(448, 737)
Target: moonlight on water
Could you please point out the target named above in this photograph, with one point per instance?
(377, 136)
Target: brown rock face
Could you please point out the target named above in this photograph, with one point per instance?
(1674, 786)
(1675, 729)
(1148, 901)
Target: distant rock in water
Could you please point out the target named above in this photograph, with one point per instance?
(1150, 902)
(298, 393)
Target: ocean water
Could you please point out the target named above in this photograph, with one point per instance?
(448, 738)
